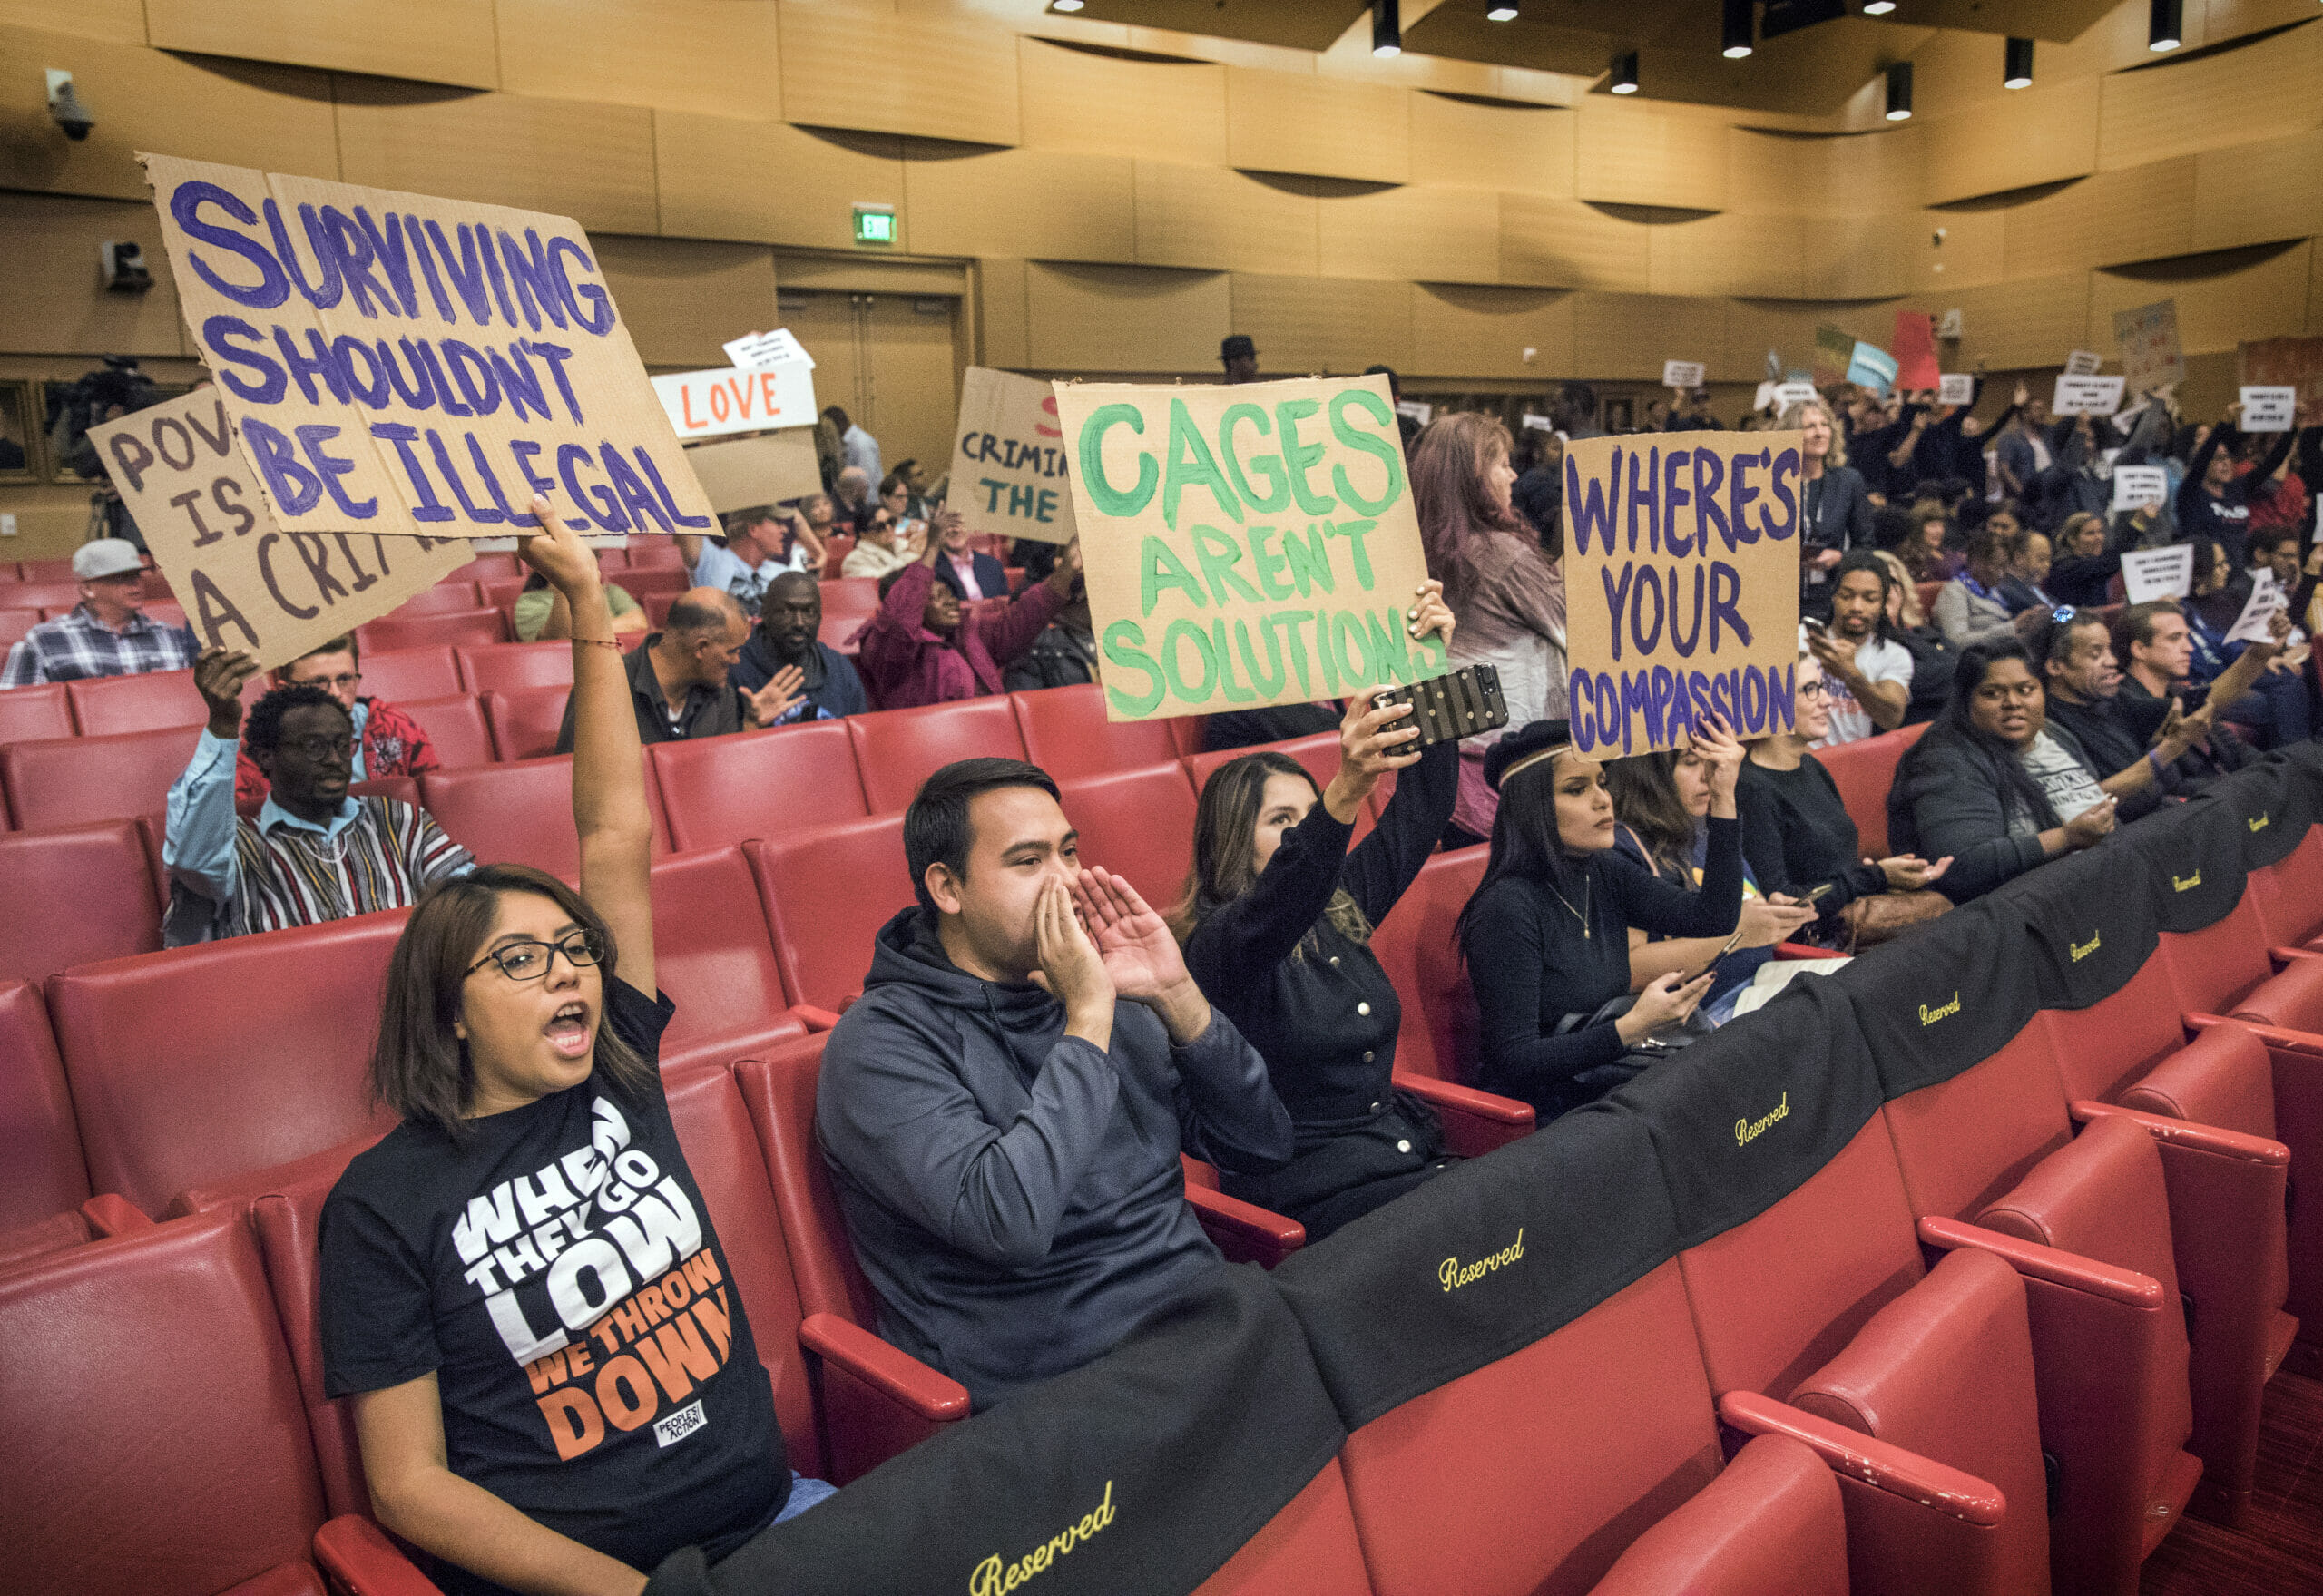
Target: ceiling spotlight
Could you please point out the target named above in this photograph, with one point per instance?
(1878, 7)
(2166, 29)
(1899, 92)
(2018, 72)
(1501, 11)
(1387, 27)
(1734, 29)
(1066, 4)
(1625, 73)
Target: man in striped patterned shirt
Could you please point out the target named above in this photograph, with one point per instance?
(315, 852)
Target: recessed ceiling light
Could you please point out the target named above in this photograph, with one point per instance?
(1899, 92)
(1734, 29)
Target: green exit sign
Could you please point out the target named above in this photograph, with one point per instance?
(875, 225)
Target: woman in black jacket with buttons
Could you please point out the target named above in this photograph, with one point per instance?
(1277, 923)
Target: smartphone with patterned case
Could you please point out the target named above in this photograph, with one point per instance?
(1447, 708)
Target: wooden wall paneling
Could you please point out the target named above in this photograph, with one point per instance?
(1466, 331)
(1002, 331)
(2019, 325)
(1126, 318)
(1627, 337)
(1172, 110)
(121, 22)
(1217, 217)
(682, 298)
(1855, 256)
(714, 57)
(2245, 298)
(1320, 324)
(938, 76)
(2146, 213)
(276, 118)
(1631, 154)
(1857, 174)
(2038, 135)
(2261, 91)
(718, 177)
(863, 271)
(1323, 127)
(51, 301)
(2315, 291)
(1459, 143)
(431, 41)
(1726, 253)
(592, 163)
(2258, 193)
(1788, 327)
(1412, 234)
(1971, 252)
(1028, 204)
(1569, 244)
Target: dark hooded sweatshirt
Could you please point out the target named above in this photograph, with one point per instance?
(1013, 1194)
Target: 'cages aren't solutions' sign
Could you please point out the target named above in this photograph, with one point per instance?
(1245, 545)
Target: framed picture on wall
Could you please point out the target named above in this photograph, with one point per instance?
(20, 439)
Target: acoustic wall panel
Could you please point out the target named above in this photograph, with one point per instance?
(720, 177)
(1025, 204)
(1855, 174)
(1631, 154)
(2250, 294)
(1171, 111)
(1463, 331)
(1627, 337)
(1002, 331)
(1459, 143)
(1124, 318)
(1725, 253)
(1323, 127)
(430, 41)
(2260, 91)
(119, 21)
(1412, 234)
(2258, 193)
(1788, 327)
(1320, 325)
(2021, 325)
(1217, 217)
(2043, 134)
(2144, 213)
(682, 299)
(718, 57)
(47, 300)
(1569, 244)
(937, 75)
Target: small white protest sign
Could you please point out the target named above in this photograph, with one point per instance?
(1682, 374)
(2075, 395)
(1764, 397)
(1538, 423)
(1957, 387)
(759, 398)
(2270, 409)
(1787, 394)
(1417, 409)
(2083, 363)
(2158, 574)
(767, 348)
(2138, 485)
(2265, 599)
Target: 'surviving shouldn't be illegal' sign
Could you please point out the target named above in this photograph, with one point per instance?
(1008, 458)
(395, 363)
(1681, 574)
(247, 582)
(1245, 545)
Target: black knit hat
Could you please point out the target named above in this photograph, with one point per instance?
(1237, 344)
(1518, 749)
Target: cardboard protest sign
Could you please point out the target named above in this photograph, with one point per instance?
(2087, 395)
(1682, 576)
(2138, 485)
(2266, 598)
(1008, 458)
(735, 399)
(1787, 394)
(1763, 396)
(1872, 367)
(741, 473)
(1683, 374)
(1915, 341)
(1955, 388)
(395, 363)
(2083, 363)
(1245, 545)
(2158, 574)
(2293, 363)
(767, 348)
(2151, 355)
(1834, 353)
(1539, 422)
(246, 581)
(2270, 409)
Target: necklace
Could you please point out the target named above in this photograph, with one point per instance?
(1581, 914)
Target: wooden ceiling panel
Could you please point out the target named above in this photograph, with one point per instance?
(1292, 25)
(1147, 110)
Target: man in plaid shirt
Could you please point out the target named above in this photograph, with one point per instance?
(105, 635)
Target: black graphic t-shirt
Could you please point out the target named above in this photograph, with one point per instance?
(558, 1273)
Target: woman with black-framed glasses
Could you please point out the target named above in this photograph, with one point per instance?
(553, 1379)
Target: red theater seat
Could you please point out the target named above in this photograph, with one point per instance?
(459, 628)
(57, 597)
(69, 782)
(455, 726)
(644, 582)
(448, 596)
(76, 895)
(511, 666)
(488, 568)
(1066, 733)
(520, 811)
(30, 713)
(1863, 772)
(43, 1174)
(1770, 1525)
(1140, 825)
(827, 893)
(836, 548)
(771, 783)
(897, 750)
(1415, 945)
(16, 623)
(56, 570)
(647, 553)
(106, 705)
(195, 1063)
(2289, 892)
(500, 594)
(713, 955)
(400, 674)
(1309, 1548)
(525, 723)
(167, 1336)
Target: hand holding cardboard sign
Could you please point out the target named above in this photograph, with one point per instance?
(557, 552)
(1431, 616)
(220, 675)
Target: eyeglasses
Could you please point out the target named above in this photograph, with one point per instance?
(340, 682)
(530, 960)
(321, 748)
(1814, 690)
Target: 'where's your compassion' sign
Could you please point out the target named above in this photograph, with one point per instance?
(1245, 545)
(395, 363)
(1682, 584)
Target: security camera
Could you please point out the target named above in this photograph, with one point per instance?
(65, 106)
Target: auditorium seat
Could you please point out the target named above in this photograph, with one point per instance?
(1318, 753)
(644, 583)
(164, 613)
(510, 666)
(456, 727)
(2226, 968)
(897, 750)
(646, 552)
(73, 895)
(17, 623)
(851, 594)
(1137, 824)
(55, 597)
(789, 778)
(500, 594)
(56, 570)
(656, 606)
(92, 1219)
(30, 713)
(488, 568)
(826, 892)
(197, 1063)
(1863, 771)
(1415, 945)
(713, 957)
(397, 674)
(525, 723)
(1309, 1548)
(165, 1343)
(43, 1173)
(66, 781)
(448, 596)
(2289, 892)
(106, 705)
(459, 628)
(1770, 1525)
(836, 548)
(520, 812)
(1066, 733)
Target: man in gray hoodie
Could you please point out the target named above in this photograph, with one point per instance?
(1004, 1108)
